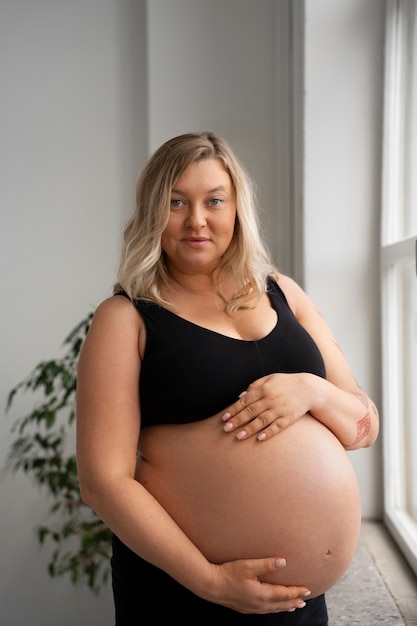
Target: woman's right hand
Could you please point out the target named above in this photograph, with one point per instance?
(237, 585)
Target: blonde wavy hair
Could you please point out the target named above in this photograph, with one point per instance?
(142, 265)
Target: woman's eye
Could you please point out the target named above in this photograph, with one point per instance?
(176, 203)
(215, 201)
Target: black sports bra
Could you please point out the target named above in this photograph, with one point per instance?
(189, 373)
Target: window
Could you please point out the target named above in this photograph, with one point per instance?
(399, 277)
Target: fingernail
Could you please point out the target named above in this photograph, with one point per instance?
(228, 427)
(226, 416)
(290, 610)
(280, 562)
(301, 605)
(261, 437)
(243, 394)
(306, 594)
(241, 435)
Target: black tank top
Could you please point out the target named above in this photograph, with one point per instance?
(189, 373)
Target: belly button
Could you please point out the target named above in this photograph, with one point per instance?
(329, 552)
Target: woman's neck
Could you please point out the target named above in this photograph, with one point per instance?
(200, 285)
(192, 282)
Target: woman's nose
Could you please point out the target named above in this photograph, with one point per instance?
(196, 218)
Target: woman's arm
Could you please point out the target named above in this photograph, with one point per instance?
(276, 401)
(108, 430)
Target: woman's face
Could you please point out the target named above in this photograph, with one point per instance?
(202, 218)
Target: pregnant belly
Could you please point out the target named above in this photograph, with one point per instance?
(294, 496)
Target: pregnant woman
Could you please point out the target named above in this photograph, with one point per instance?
(214, 412)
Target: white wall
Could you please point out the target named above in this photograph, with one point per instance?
(69, 112)
(343, 116)
(213, 65)
(76, 121)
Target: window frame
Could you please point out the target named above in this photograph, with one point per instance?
(396, 250)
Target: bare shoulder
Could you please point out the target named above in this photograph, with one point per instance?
(304, 308)
(296, 296)
(116, 324)
(116, 310)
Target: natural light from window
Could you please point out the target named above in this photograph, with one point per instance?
(399, 278)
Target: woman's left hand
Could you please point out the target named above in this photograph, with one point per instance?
(269, 405)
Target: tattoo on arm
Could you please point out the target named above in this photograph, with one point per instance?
(364, 426)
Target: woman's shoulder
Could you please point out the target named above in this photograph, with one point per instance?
(116, 311)
(290, 288)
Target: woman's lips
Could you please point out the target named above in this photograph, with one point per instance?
(195, 242)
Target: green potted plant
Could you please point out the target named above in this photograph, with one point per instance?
(42, 450)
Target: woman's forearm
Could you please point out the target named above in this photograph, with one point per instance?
(142, 524)
(350, 415)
